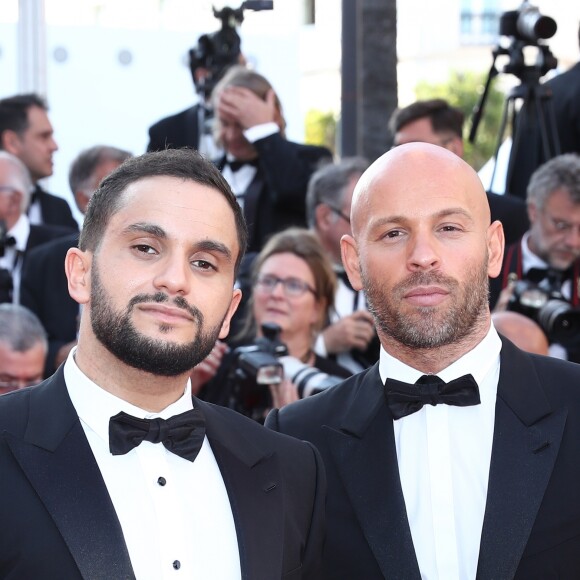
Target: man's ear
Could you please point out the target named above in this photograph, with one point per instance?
(236, 297)
(532, 212)
(11, 142)
(350, 261)
(77, 266)
(495, 249)
(323, 217)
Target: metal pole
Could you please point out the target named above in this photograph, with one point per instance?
(32, 57)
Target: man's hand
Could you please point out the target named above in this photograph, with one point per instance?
(208, 367)
(283, 394)
(353, 331)
(502, 302)
(246, 108)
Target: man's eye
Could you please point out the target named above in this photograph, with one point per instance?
(450, 229)
(145, 249)
(203, 265)
(393, 234)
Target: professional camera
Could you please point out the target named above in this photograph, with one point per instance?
(264, 363)
(527, 24)
(217, 51)
(545, 304)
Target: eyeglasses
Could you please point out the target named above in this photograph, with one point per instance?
(8, 383)
(293, 287)
(561, 226)
(339, 213)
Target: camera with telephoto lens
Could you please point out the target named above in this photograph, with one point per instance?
(527, 24)
(264, 363)
(219, 50)
(545, 304)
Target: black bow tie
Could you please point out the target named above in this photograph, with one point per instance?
(236, 165)
(182, 434)
(404, 399)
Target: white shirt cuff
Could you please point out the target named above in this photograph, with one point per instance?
(261, 131)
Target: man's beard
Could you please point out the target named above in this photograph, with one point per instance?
(429, 327)
(116, 332)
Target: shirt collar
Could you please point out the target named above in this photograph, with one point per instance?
(21, 232)
(477, 362)
(529, 259)
(95, 406)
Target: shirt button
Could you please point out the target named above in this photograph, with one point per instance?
(177, 565)
(162, 481)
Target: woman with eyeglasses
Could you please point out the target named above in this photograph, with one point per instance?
(293, 286)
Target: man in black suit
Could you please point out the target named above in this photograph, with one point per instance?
(268, 174)
(110, 468)
(26, 132)
(17, 235)
(44, 287)
(472, 473)
(436, 121)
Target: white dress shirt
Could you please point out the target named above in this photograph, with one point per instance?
(13, 256)
(240, 180)
(175, 514)
(443, 454)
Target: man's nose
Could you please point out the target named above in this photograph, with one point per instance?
(422, 254)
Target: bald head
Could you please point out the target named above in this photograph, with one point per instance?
(522, 331)
(412, 172)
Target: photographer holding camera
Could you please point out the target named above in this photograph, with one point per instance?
(293, 284)
(540, 273)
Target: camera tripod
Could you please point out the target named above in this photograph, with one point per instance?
(533, 124)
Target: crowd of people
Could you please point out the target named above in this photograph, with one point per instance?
(388, 316)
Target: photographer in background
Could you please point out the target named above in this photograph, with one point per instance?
(435, 121)
(268, 174)
(293, 286)
(549, 252)
(350, 336)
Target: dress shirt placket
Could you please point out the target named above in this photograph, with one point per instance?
(442, 504)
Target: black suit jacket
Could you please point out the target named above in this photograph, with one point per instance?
(531, 528)
(58, 520)
(276, 197)
(55, 210)
(175, 131)
(512, 212)
(44, 290)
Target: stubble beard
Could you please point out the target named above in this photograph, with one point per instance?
(430, 327)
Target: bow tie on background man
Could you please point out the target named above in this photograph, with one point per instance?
(181, 434)
(404, 399)
(236, 165)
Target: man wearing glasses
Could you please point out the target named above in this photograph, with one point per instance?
(23, 348)
(548, 255)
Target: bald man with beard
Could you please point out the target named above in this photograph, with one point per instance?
(456, 455)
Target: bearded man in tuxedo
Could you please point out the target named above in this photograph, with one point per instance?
(110, 468)
(455, 456)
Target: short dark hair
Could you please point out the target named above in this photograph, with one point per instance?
(328, 184)
(87, 162)
(14, 112)
(443, 116)
(185, 164)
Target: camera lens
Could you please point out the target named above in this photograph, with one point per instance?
(560, 322)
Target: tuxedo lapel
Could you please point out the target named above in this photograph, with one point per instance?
(252, 480)
(251, 198)
(57, 460)
(365, 456)
(526, 441)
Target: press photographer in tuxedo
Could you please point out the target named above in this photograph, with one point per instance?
(110, 468)
(548, 255)
(267, 173)
(455, 456)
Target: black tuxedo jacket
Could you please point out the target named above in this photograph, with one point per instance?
(58, 520)
(175, 131)
(531, 528)
(276, 197)
(44, 290)
(565, 90)
(55, 210)
(512, 212)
